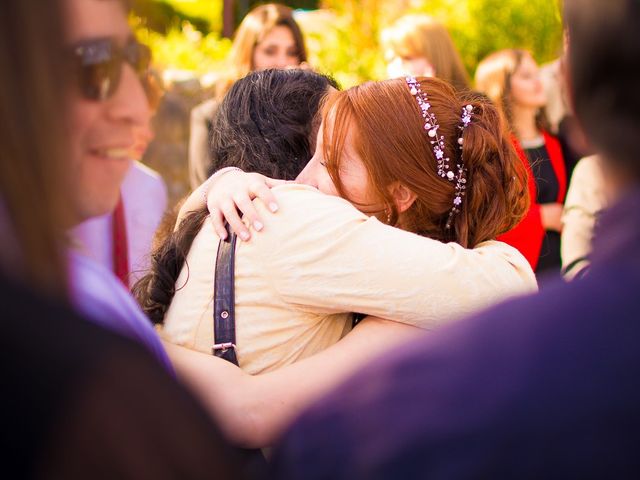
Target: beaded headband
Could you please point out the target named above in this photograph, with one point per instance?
(443, 163)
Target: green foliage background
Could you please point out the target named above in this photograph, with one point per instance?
(344, 38)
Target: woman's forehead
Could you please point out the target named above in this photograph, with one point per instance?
(346, 129)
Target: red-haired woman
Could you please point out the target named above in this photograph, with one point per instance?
(511, 80)
(395, 218)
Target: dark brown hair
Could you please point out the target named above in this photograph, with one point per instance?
(33, 159)
(265, 122)
(391, 141)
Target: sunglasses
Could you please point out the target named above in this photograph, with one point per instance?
(99, 64)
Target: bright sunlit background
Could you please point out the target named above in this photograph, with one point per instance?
(343, 35)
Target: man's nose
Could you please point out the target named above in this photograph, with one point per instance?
(129, 103)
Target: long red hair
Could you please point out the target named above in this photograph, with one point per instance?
(390, 139)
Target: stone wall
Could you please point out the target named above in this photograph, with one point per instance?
(168, 152)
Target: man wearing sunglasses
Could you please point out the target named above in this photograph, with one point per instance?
(78, 401)
(108, 105)
(109, 102)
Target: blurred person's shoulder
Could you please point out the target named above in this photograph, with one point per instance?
(79, 401)
(541, 353)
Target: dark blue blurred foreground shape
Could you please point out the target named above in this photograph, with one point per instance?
(546, 386)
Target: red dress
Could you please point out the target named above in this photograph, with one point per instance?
(527, 236)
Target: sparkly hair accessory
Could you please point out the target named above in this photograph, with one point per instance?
(431, 125)
(443, 163)
(461, 180)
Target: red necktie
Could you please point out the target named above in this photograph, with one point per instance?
(120, 245)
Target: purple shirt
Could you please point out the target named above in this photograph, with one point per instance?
(100, 296)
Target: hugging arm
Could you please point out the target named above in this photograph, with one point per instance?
(324, 256)
(227, 191)
(254, 410)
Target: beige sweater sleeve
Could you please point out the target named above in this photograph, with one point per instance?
(586, 198)
(324, 255)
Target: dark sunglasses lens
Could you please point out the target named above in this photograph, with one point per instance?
(99, 68)
(98, 81)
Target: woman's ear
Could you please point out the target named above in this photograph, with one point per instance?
(402, 196)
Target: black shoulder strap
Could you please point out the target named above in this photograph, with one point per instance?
(224, 328)
(224, 317)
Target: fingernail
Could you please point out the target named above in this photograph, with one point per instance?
(222, 236)
(258, 225)
(244, 236)
(273, 207)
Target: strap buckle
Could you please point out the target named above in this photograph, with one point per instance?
(222, 346)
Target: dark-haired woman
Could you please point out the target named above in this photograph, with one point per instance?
(511, 79)
(267, 123)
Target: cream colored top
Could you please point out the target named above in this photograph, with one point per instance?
(587, 196)
(319, 258)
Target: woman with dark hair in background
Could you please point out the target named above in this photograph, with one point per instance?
(511, 80)
(267, 37)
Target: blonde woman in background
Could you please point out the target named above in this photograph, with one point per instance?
(511, 79)
(587, 197)
(420, 45)
(268, 37)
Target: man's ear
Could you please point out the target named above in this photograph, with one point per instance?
(402, 196)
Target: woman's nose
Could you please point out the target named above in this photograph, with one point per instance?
(306, 176)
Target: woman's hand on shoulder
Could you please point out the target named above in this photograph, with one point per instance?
(231, 196)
